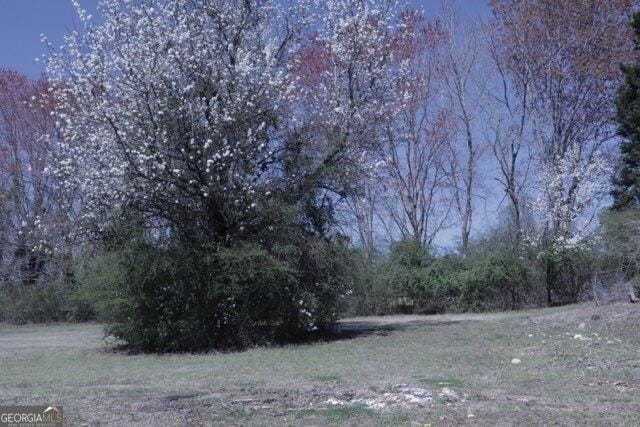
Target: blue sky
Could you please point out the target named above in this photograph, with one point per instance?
(22, 22)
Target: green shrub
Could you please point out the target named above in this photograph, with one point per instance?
(409, 253)
(406, 287)
(409, 283)
(393, 286)
(358, 296)
(39, 302)
(179, 299)
(326, 272)
(493, 281)
(620, 232)
(100, 280)
(417, 289)
(568, 271)
(443, 283)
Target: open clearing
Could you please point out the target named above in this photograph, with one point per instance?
(578, 365)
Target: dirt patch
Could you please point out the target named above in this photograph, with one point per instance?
(251, 403)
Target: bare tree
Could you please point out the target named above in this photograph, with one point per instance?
(416, 140)
(465, 95)
(505, 127)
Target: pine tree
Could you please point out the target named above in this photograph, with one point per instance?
(626, 191)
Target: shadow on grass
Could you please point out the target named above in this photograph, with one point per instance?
(345, 330)
(341, 330)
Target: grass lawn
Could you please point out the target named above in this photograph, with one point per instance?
(578, 365)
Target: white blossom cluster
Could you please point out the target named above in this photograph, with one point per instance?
(170, 107)
(572, 186)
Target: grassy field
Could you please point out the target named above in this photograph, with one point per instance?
(578, 365)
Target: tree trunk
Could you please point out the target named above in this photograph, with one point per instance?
(549, 279)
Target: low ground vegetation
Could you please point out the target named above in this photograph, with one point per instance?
(578, 366)
(412, 282)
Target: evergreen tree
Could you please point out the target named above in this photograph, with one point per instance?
(626, 191)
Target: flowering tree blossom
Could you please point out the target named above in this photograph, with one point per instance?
(195, 115)
(170, 111)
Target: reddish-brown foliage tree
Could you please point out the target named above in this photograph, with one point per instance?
(418, 136)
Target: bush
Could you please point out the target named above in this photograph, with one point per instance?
(179, 299)
(493, 281)
(49, 296)
(568, 271)
(620, 237)
(389, 286)
(620, 232)
(410, 282)
(327, 271)
(40, 302)
(409, 253)
(417, 289)
(357, 296)
(392, 286)
(443, 285)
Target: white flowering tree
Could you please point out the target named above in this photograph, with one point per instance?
(194, 119)
(564, 62)
(170, 111)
